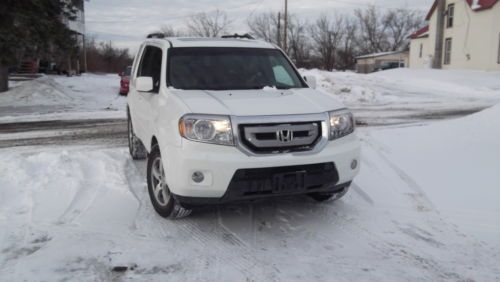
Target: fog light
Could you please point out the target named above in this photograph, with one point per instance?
(354, 164)
(198, 176)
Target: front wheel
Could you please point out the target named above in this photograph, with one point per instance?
(163, 201)
(323, 197)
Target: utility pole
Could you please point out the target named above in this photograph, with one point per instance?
(438, 48)
(285, 43)
(278, 35)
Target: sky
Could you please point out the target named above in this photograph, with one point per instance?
(127, 22)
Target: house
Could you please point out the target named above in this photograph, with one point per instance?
(77, 25)
(461, 34)
(71, 64)
(378, 61)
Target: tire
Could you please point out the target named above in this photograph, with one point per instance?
(135, 146)
(163, 201)
(323, 197)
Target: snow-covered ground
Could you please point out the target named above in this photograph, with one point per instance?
(401, 96)
(54, 97)
(425, 206)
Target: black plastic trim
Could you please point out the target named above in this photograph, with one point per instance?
(253, 184)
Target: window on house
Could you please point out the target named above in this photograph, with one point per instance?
(447, 51)
(451, 15)
(421, 50)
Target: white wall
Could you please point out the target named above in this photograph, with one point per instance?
(475, 39)
(417, 61)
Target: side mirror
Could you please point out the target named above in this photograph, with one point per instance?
(144, 84)
(311, 81)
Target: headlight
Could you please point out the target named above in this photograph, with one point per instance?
(207, 129)
(341, 124)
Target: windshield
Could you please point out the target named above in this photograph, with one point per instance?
(230, 69)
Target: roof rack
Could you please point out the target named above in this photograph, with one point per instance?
(246, 35)
(156, 35)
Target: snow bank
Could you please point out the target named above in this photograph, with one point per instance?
(403, 85)
(345, 85)
(456, 165)
(61, 94)
(41, 91)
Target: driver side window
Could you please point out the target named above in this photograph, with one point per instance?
(151, 66)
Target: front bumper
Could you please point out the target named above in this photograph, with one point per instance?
(219, 165)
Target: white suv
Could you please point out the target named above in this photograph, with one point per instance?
(230, 119)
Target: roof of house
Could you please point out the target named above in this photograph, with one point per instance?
(374, 55)
(423, 32)
(482, 5)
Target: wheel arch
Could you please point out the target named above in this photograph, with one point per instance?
(154, 142)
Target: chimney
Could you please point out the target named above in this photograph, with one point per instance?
(438, 48)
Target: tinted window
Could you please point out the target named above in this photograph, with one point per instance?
(230, 69)
(151, 65)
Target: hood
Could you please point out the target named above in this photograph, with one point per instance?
(258, 102)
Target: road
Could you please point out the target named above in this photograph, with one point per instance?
(64, 132)
(114, 131)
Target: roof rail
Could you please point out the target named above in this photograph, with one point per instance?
(246, 35)
(156, 35)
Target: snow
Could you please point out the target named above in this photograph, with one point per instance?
(76, 213)
(407, 95)
(88, 95)
(424, 207)
(455, 164)
(269, 88)
(378, 54)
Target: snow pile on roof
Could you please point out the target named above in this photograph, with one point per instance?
(379, 54)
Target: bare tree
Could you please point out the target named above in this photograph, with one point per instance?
(327, 35)
(265, 26)
(169, 31)
(347, 51)
(386, 31)
(209, 24)
(400, 24)
(298, 47)
(372, 30)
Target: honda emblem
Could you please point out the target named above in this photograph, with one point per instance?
(284, 135)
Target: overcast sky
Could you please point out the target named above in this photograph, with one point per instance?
(127, 22)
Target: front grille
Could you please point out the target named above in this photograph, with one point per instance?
(280, 137)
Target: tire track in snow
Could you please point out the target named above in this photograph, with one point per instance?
(213, 236)
(384, 247)
(419, 197)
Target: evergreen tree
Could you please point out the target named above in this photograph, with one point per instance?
(34, 28)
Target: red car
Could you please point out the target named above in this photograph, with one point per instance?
(124, 81)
